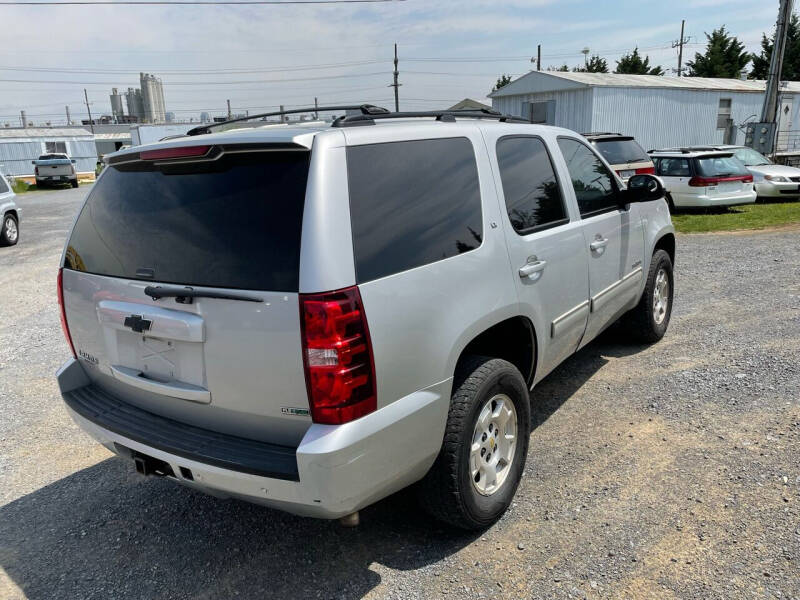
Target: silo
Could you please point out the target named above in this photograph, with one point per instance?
(116, 106)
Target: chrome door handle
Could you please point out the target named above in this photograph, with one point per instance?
(532, 267)
(599, 243)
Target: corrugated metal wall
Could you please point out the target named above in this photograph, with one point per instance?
(660, 118)
(573, 107)
(16, 154)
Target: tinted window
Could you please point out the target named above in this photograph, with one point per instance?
(674, 167)
(234, 222)
(531, 190)
(3, 185)
(617, 152)
(593, 184)
(720, 166)
(412, 203)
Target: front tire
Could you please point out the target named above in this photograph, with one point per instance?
(9, 231)
(648, 322)
(482, 459)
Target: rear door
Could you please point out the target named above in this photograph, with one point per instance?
(614, 236)
(224, 224)
(675, 173)
(545, 245)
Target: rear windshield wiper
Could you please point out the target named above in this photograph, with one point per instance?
(185, 295)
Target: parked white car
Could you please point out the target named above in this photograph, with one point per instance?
(770, 180)
(9, 214)
(703, 178)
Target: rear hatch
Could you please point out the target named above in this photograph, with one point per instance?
(625, 156)
(181, 286)
(722, 175)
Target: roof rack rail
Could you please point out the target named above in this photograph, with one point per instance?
(440, 115)
(366, 109)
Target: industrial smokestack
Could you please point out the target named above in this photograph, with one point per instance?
(24, 119)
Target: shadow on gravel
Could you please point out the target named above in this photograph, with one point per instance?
(106, 532)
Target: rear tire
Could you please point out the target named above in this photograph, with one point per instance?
(490, 399)
(9, 231)
(648, 322)
(74, 183)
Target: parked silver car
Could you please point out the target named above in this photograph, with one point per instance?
(10, 212)
(315, 316)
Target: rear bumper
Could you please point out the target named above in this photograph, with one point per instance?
(334, 471)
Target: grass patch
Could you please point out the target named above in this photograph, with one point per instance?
(747, 216)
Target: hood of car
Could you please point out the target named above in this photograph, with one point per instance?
(774, 170)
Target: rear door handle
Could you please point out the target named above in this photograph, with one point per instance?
(532, 267)
(599, 243)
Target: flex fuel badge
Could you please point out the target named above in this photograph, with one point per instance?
(291, 410)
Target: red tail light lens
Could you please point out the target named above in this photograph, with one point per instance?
(646, 171)
(698, 181)
(64, 325)
(337, 354)
(180, 152)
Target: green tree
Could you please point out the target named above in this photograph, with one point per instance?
(791, 56)
(724, 56)
(634, 64)
(563, 67)
(503, 80)
(594, 65)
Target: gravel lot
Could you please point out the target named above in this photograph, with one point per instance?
(670, 471)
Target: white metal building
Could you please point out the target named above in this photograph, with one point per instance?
(20, 146)
(658, 111)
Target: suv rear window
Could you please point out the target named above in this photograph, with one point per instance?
(234, 222)
(412, 203)
(621, 150)
(720, 166)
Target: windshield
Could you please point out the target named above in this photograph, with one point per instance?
(750, 157)
(620, 151)
(52, 157)
(234, 222)
(720, 166)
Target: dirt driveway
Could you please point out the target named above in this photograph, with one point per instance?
(670, 471)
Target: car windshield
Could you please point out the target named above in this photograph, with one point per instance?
(621, 151)
(720, 166)
(751, 158)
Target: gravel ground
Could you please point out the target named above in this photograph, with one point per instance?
(669, 471)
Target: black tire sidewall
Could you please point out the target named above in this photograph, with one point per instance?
(661, 260)
(484, 510)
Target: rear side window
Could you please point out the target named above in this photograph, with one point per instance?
(720, 166)
(412, 203)
(621, 151)
(531, 190)
(674, 167)
(233, 222)
(593, 184)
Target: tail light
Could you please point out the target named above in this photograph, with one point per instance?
(64, 325)
(36, 170)
(337, 355)
(697, 181)
(646, 171)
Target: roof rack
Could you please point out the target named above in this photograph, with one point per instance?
(365, 109)
(597, 133)
(691, 149)
(439, 115)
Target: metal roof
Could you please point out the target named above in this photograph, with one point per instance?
(104, 137)
(558, 79)
(43, 132)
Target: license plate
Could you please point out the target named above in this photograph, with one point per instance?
(627, 173)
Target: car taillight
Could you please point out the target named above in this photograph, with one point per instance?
(36, 170)
(64, 325)
(646, 171)
(698, 181)
(337, 355)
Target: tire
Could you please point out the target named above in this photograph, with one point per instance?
(74, 183)
(642, 322)
(450, 491)
(9, 231)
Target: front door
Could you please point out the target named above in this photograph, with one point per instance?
(546, 247)
(613, 236)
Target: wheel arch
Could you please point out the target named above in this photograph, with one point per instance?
(667, 243)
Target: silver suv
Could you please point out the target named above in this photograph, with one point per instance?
(314, 316)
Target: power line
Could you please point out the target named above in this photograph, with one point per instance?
(173, 83)
(190, 2)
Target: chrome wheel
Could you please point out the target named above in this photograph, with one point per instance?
(10, 229)
(660, 297)
(494, 441)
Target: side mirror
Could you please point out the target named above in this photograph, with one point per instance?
(643, 188)
(33, 162)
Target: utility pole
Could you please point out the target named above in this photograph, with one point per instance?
(316, 106)
(538, 57)
(679, 45)
(770, 108)
(88, 110)
(24, 119)
(283, 117)
(69, 120)
(396, 85)
(230, 116)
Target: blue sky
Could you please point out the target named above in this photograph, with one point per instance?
(263, 56)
